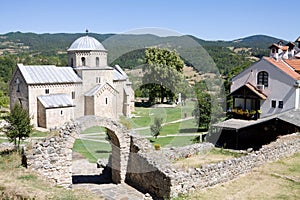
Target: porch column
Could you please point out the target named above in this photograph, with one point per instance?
(297, 98)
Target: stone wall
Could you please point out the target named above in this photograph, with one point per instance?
(212, 174)
(52, 156)
(145, 169)
(152, 171)
(135, 161)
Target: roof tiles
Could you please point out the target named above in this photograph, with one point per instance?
(283, 66)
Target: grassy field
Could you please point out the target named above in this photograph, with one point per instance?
(144, 116)
(278, 180)
(92, 150)
(213, 156)
(17, 182)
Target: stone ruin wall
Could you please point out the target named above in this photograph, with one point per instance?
(149, 170)
(52, 156)
(153, 172)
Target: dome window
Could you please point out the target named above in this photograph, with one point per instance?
(97, 61)
(83, 61)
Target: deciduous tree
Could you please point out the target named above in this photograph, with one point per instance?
(163, 77)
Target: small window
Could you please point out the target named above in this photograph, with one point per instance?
(263, 78)
(83, 61)
(98, 79)
(61, 113)
(106, 100)
(273, 50)
(73, 94)
(280, 104)
(273, 104)
(97, 61)
(18, 84)
(72, 62)
(46, 91)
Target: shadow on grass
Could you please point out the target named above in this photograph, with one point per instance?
(188, 130)
(103, 178)
(103, 151)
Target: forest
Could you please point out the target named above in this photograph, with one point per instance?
(44, 49)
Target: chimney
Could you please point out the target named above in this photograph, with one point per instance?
(274, 51)
(298, 41)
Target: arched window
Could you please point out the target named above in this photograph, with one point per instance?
(97, 61)
(263, 78)
(83, 61)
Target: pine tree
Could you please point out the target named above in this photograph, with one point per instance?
(19, 127)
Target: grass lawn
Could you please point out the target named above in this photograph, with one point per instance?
(213, 156)
(144, 116)
(94, 129)
(173, 141)
(17, 182)
(92, 150)
(37, 133)
(278, 180)
(3, 140)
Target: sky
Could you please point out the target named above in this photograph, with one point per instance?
(205, 19)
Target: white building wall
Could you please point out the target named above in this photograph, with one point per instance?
(280, 87)
(106, 105)
(56, 117)
(20, 96)
(36, 90)
(90, 58)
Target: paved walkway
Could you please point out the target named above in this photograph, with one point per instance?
(87, 176)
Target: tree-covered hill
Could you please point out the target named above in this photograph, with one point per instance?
(226, 57)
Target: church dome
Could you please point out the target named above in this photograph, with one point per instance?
(86, 43)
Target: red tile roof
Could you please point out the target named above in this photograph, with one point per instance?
(253, 89)
(256, 91)
(283, 66)
(283, 48)
(294, 63)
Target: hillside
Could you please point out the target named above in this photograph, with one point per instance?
(224, 57)
(17, 41)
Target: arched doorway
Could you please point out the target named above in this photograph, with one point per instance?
(119, 141)
(90, 155)
(52, 156)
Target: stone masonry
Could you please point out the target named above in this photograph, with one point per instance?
(52, 156)
(135, 161)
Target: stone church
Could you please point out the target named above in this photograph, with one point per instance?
(87, 86)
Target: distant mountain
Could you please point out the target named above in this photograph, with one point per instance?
(61, 41)
(255, 41)
(43, 42)
(127, 50)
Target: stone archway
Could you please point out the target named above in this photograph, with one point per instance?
(120, 141)
(52, 156)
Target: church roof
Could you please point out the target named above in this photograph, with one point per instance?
(56, 100)
(119, 73)
(43, 74)
(99, 87)
(86, 43)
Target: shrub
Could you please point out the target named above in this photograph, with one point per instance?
(156, 126)
(157, 146)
